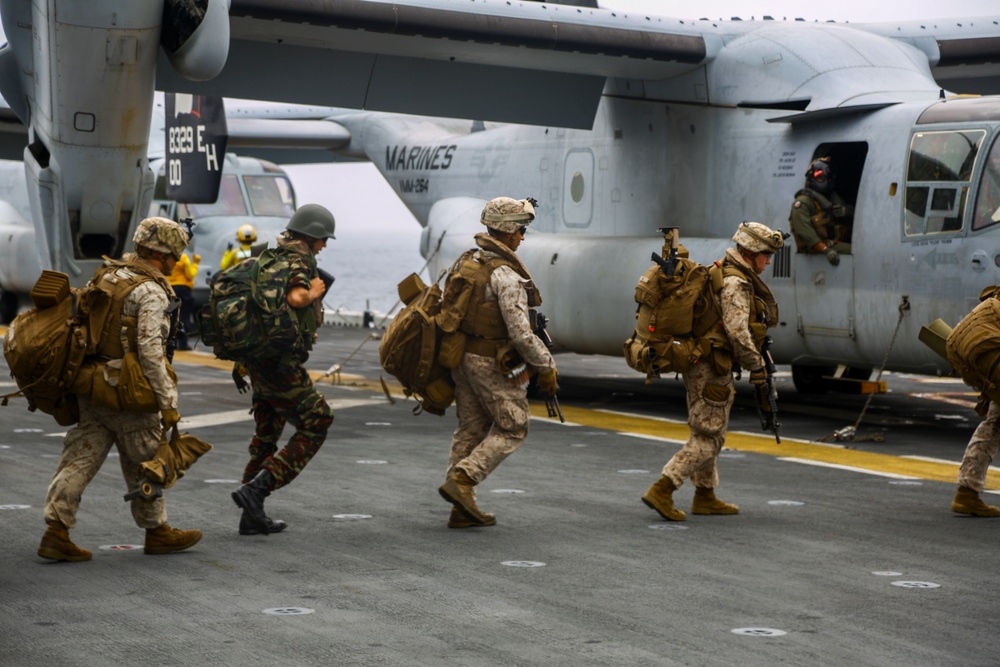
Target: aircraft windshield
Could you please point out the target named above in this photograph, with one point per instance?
(230, 202)
(987, 211)
(937, 180)
(270, 195)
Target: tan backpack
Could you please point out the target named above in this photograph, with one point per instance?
(973, 348)
(673, 316)
(45, 348)
(410, 346)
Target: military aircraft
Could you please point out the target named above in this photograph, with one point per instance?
(229, 191)
(620, 123)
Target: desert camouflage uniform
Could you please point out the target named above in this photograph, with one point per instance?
(492, 409)
(283, 391)
(710, 394)
(981, 451)
(136, 435)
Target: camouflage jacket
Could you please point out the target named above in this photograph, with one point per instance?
(509, 289)
(151, 305)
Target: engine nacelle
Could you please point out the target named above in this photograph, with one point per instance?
(196, 44)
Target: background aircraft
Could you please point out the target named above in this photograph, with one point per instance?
(638, 121)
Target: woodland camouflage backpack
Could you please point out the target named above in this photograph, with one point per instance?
(247, 315)
(674, 315)
(411, 345)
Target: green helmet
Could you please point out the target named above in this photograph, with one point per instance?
(312, 220)
(161, 235)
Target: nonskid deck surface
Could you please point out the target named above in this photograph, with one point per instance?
(840, 555)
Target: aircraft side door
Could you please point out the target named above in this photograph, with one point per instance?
(824, 297)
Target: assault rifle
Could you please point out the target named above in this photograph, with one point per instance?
(551, 403)
(668, 264)
(767, 404)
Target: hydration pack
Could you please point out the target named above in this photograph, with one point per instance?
(973, 348)
(411, 345)
(674, 316)
(247, 316)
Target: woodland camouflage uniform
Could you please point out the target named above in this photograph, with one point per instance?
(283, 391)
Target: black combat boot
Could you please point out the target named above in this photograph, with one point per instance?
(273, 525)
(250, 497)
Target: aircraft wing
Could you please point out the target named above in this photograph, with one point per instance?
(542, 63)
(519, 62)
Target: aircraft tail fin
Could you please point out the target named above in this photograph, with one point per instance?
(195, 147)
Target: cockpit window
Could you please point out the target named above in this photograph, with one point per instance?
(937, 180)
(230, 202)
(270, 195)
(987, 211)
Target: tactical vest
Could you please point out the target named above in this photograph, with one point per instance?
(464, 307)
(820, 220)
(105, 304)
(759, 316)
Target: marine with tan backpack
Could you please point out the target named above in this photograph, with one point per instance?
(115, 380)
(973, 349)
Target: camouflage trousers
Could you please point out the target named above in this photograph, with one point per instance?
(87, 445)
(709, 398)
(285, 393)
(492, 417)
(981, 450)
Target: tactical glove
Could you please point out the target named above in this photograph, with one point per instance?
(758, 377)
(547, 382)
(239, 370)
(170, 417)
(832, 256)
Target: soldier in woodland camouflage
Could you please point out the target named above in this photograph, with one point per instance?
(147, 306)
(492, 377)
(282, 389)
(748, 310)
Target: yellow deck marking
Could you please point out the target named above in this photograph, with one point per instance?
(749, 442)
(678, 431)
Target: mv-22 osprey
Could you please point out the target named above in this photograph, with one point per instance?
(625, 123)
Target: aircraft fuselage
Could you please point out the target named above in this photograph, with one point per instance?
(604, 192)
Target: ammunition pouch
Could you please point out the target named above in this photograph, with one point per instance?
(119, 385)
(452, 349)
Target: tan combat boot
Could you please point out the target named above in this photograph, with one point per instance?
(458, 520)
(705, 502)
(458, 490)
(56, 545)
(167, 540)
(660, 498)
(967, 501)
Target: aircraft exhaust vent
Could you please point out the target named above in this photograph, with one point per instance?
(781, 263)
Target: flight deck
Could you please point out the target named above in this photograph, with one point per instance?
(844, 551)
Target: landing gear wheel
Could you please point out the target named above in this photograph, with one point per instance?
(809, 379)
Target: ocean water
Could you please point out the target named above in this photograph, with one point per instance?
(367, 265)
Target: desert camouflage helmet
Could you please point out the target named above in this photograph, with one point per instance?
(507, 215)
(312, 220)
(161, 235)
(757, 237)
